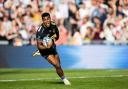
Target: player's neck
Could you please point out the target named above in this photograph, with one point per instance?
(45, 25)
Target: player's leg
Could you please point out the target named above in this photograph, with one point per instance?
(60, 70)
(55, 61)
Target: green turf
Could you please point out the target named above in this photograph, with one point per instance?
(94, 79)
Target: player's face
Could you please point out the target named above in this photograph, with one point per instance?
(46, 21)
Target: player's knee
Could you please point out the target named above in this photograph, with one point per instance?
(57, 66)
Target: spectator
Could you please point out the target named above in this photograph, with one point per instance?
(97, 28)
(108, 32)
(73, 16)
(18, 42)
(84, 24)
(95, 19)
(6, 25)
(77, 38)
(63, 32)
(89, 36)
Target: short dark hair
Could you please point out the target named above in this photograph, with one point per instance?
(45, 14)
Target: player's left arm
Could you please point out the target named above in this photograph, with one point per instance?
(57, 33)
(55, 36)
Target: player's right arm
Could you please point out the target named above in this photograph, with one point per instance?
(40, 44)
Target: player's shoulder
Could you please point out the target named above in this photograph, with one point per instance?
(40, 27)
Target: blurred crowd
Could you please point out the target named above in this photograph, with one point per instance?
(79, 21)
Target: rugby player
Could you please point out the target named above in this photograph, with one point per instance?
(48, 29)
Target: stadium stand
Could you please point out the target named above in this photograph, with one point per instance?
(80, 21)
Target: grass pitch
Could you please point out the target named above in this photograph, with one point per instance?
(48, 79)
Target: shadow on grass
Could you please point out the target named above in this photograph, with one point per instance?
(54, 82)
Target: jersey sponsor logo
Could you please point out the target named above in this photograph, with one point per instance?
(53, 23)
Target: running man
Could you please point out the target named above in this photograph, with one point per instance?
(47, 50)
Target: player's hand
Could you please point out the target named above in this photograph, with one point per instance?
(53, 37)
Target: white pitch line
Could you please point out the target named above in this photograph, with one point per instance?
(82, 77)
(107, 76)
(13, 80)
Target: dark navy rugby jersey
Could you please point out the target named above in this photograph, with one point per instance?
(44, 31)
